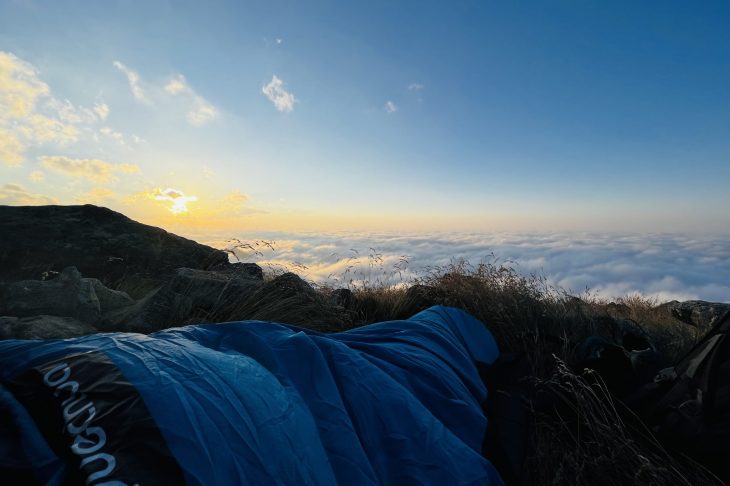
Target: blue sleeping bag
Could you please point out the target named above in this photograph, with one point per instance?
(251, 403)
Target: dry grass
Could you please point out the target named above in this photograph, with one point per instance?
(589, 437)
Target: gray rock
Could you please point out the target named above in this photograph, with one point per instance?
(43, 327)
(109, 299)
(68, 295)
(697, 312)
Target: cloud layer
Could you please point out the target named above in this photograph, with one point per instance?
(663, 266)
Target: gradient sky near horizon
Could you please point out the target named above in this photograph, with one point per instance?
(270, 115)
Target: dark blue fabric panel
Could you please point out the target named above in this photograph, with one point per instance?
(258, 402)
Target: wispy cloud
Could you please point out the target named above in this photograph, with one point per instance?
(134, 82)
(281, 98)
(101, 109)
(176, 85)
(390, 107)
(108, 132)
(200, 111)
(415, 87)
(94, 170)
(14, 194)
(30, 116)
(36, 176)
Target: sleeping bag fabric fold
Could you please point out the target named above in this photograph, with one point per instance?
(251, 402)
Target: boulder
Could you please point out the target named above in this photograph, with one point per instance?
(109, 299)
(697, 313)
(248, 269)
(67, 295)
(43, 327)
(123, 254)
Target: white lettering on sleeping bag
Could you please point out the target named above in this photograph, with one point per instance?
(78, 413)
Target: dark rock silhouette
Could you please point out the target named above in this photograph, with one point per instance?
(123, 254)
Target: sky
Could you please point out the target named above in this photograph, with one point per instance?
(412, 116)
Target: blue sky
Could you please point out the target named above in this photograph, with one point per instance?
(379, 115)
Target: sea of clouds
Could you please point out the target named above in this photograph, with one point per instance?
(609, 265)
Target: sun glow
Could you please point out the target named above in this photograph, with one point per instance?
(177, 198)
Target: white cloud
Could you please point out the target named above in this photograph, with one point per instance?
(30, 116)
(415, 87)
(390, 107)
(20, 87)
(39, 129)
(94, 170)
(134, 82)
(14, 194)
(275, 92)
(176, 85)
(102, 110)
(201, 111)
(107, 131)
(36, 176)
(279, 41)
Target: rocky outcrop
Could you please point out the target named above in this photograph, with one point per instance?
(78, 305)
(697, 313)
(123, 254)
(68, 295)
